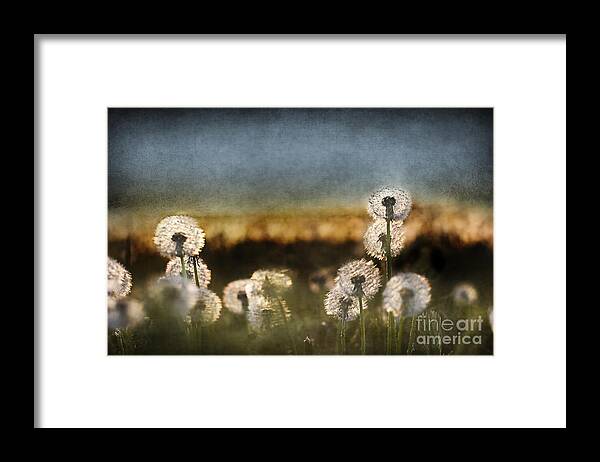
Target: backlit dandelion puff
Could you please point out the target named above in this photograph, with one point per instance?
(272, 282)
(178, 236)
(389, 203)
(254, 320)
(464, 294)
(113, 287)
(375, 239)
(345, 308)
(406, 295)
(266, 289)
(179, 293)
(280, 315)
(256, 298)
(265, 312)
(341, 306)
(263, 321)
(266, 319)
(259, 307)
(202, 273)
(119, 279)
(207, 309)
(235, 298)
(359, 278)
(124, 313)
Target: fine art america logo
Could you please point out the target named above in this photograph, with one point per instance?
(439, 331)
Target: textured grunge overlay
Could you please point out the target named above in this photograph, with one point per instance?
(329, 231)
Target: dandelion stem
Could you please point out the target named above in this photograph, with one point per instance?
(119, 334)
(390, 334)
(410, 335)
(196, 273)
(385, 270)
(399, 334)
(388, 250)
(363, 342)
(287, 327)
(427, 328)
(343, 336)
(183, 271)
(198, 329)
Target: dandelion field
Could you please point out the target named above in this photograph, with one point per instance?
(444, 259)
(300, 231)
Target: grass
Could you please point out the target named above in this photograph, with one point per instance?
(441, 260)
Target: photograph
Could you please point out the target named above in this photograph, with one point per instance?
(300, 231)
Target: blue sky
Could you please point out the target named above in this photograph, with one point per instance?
(257, 160)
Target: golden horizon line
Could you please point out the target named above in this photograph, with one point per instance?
(466, 225)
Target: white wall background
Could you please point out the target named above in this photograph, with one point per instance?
(524, 384)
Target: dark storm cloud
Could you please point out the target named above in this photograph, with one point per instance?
(215, 160)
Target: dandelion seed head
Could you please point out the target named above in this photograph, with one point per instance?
(207, 309)
(340, 305)
(265, 319)
(406, 294)
(178, 235)
(272, 281)
(182, 294)
(359, 277)
(254, 320)
(119, 279)
(392, 203)
(270, 284)
(204, 274)
(124, 312)
(113, 288)
(464, 294)
(264, 312)
(376, 235)
(257, 301)
(235, 297)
